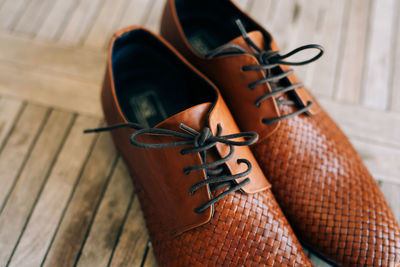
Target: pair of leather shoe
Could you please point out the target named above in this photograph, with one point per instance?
(209, 198)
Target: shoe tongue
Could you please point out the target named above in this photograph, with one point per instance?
(256, 36)
(194, 117)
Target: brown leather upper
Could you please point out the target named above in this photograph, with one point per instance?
(329, 197)
(243, 228)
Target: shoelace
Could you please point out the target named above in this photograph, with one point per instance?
(201, 142)
(267, 61)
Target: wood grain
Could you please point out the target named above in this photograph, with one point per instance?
(10, 11)
(364, 123)
(38, 86)
(30, 182)
(259, 9)
(79, 22)
(18, 146)
(9, 111)
(150, 260)
(133, 240)
(382, 161)
(54, 55)
(78, 217)
(282, 16)
(379, 55)
(55, 20)
(135, 13)
(351, 64)
(53, 200)
(391, 191)
(322, 73)
(33, 16)
(73, 63)
(395, 83)
(303, 31)
(105, 23)
(109, 219)
(153, 18)
(374, 134)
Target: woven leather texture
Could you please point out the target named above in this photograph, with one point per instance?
(246, 230)
(327, 194)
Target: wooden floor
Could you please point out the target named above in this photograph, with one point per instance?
(66, 198)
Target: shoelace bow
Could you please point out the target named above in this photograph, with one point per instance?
(201, 142)
(267, 61)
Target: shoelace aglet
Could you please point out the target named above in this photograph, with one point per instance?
(241, 27)
(90, 131)
(114, 127)
(188, 129)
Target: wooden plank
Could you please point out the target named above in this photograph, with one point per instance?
(382, 161)
(52, 74)
(109, 219)
(244, 4)
(80, 21)
(56, 19)
(329, 31)
(105, 23)
(40, 86)
(1, 2)
(33, 16)
(18, 147)
(360, 122)
(285, 14)
(153, 18)
(375, 93)
(133, 240)
(22, 199)
(375, 134)
(9, 111)
(48, 211)
(10, 11)
(75, 63)
(391, 192)
(303, 31)
(395, 85)
(351, 63)
(135, 13)
(76, 222)
(318, 262)
(259, 10)
(150, 258)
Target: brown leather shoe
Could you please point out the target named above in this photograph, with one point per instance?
(327, 194)
(204, 197)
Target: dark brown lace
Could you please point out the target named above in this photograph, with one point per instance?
(216, 174)
(269, 60)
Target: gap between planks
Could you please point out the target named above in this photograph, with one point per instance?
(78, 217)
(18, 206)
(153, 24)
(20, 142)
(51, 204)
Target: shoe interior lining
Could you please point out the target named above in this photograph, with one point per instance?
(209, 24)
(151, 82)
